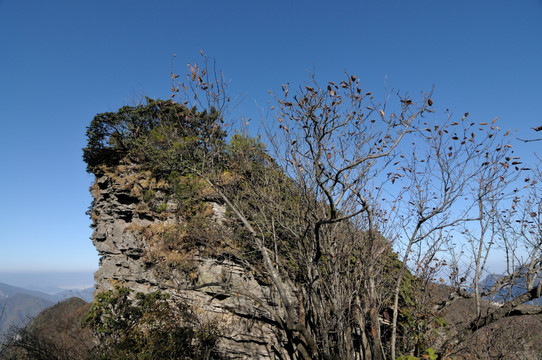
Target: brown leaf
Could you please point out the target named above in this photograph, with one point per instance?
(430, 102)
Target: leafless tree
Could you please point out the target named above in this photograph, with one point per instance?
(408, 177)
(356, 181)
(516, 229)
(371, 180)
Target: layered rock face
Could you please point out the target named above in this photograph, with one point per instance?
(218, 290)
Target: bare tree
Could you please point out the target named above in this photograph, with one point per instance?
(368, 181)
(457, 176)
(347, 220)
(516, 229)
(338, 145)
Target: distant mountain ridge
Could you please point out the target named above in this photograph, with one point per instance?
(9, 290)
(508, 293)
(18, 305)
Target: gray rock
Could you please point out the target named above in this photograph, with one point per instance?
(224, 292)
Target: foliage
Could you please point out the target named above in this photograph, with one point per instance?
(56, 333)
(141, 132)
(430, 354)
(149, 326)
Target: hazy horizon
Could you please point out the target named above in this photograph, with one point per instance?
(49, 282)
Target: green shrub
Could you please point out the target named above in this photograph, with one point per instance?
(161, 134)
(161, 208)
(148, 326)
(429, 354)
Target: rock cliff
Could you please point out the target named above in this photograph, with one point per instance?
(218, 288)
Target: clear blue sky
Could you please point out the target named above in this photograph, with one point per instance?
(64, 61)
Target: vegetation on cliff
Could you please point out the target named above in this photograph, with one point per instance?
(56, 333)
(148, 327)
(350, 180)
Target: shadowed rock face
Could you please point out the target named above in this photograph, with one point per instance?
(217, 290)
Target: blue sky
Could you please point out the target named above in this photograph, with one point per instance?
(62, 62)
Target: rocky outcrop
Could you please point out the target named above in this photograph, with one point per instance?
(219, 290)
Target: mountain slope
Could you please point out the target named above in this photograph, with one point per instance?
(18, 305)
(19, 308)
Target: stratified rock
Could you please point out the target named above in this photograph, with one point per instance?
(218, 289)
